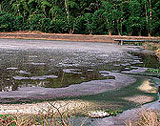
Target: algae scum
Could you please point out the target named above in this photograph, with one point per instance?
(61, 67)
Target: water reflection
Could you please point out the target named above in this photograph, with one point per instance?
(55, 69)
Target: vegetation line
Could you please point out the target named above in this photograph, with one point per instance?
(113, 17)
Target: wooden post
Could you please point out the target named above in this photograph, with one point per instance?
(158, 90)
(121, 42)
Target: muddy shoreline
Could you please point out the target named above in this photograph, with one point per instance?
(85, 88)
(71, 37)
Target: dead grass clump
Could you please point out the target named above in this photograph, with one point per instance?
(146, 118)
(53, 116)
(16, 120)
(151, 46)
(48, 119)
(158, 53)
(140, 99)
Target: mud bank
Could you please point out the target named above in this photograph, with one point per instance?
(71, 37)
(85, 88)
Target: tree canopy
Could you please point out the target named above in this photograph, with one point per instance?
(118, 17)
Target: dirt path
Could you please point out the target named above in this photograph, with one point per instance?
(70, 37)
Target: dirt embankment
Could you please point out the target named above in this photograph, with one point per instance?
(70, 37)
(153, 46)
(158, 53)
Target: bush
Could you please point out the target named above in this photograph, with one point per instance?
(89, 26)
(6, 22)
(45, 24)
(59, 25)
(79, 25)
(20, 24)
(34, 22)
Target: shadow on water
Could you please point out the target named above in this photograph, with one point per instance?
(115, 99)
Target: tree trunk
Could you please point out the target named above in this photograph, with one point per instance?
(139, 33)
(150, 15)
(68, 16)
(66, 8)
(149, 34)
(90, 33)
(121, 28)
(0, 7)
(110, 32)
(130, 33)
(150, 5)
(71, 31)
(146, 13)
(119, 33)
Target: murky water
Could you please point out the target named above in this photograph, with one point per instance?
(51, 69)
(57, 68)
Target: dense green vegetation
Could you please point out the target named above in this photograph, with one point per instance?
(123, 17)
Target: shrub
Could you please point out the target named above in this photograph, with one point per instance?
(20, 23)
(6, 22)
(79, 25)
(34, 22)
(45, 24)
(59, 25)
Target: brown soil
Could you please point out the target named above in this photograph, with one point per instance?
(70, 107)
(158, 53)
(140, 99)
(69, 37)
(146, 87)
(153, 46)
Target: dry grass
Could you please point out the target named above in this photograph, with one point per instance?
(48, 119)
(67, 106)
(158, 53)
(44, 118)
(139, 99)
(146, 118)
(146, 87)
(38, 120)
(151, 46)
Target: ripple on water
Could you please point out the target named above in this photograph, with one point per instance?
(33, 56)
(12, 68)
(126, 64)
(35, 77)
(33, 63)
(23, 72)
(73, 71)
